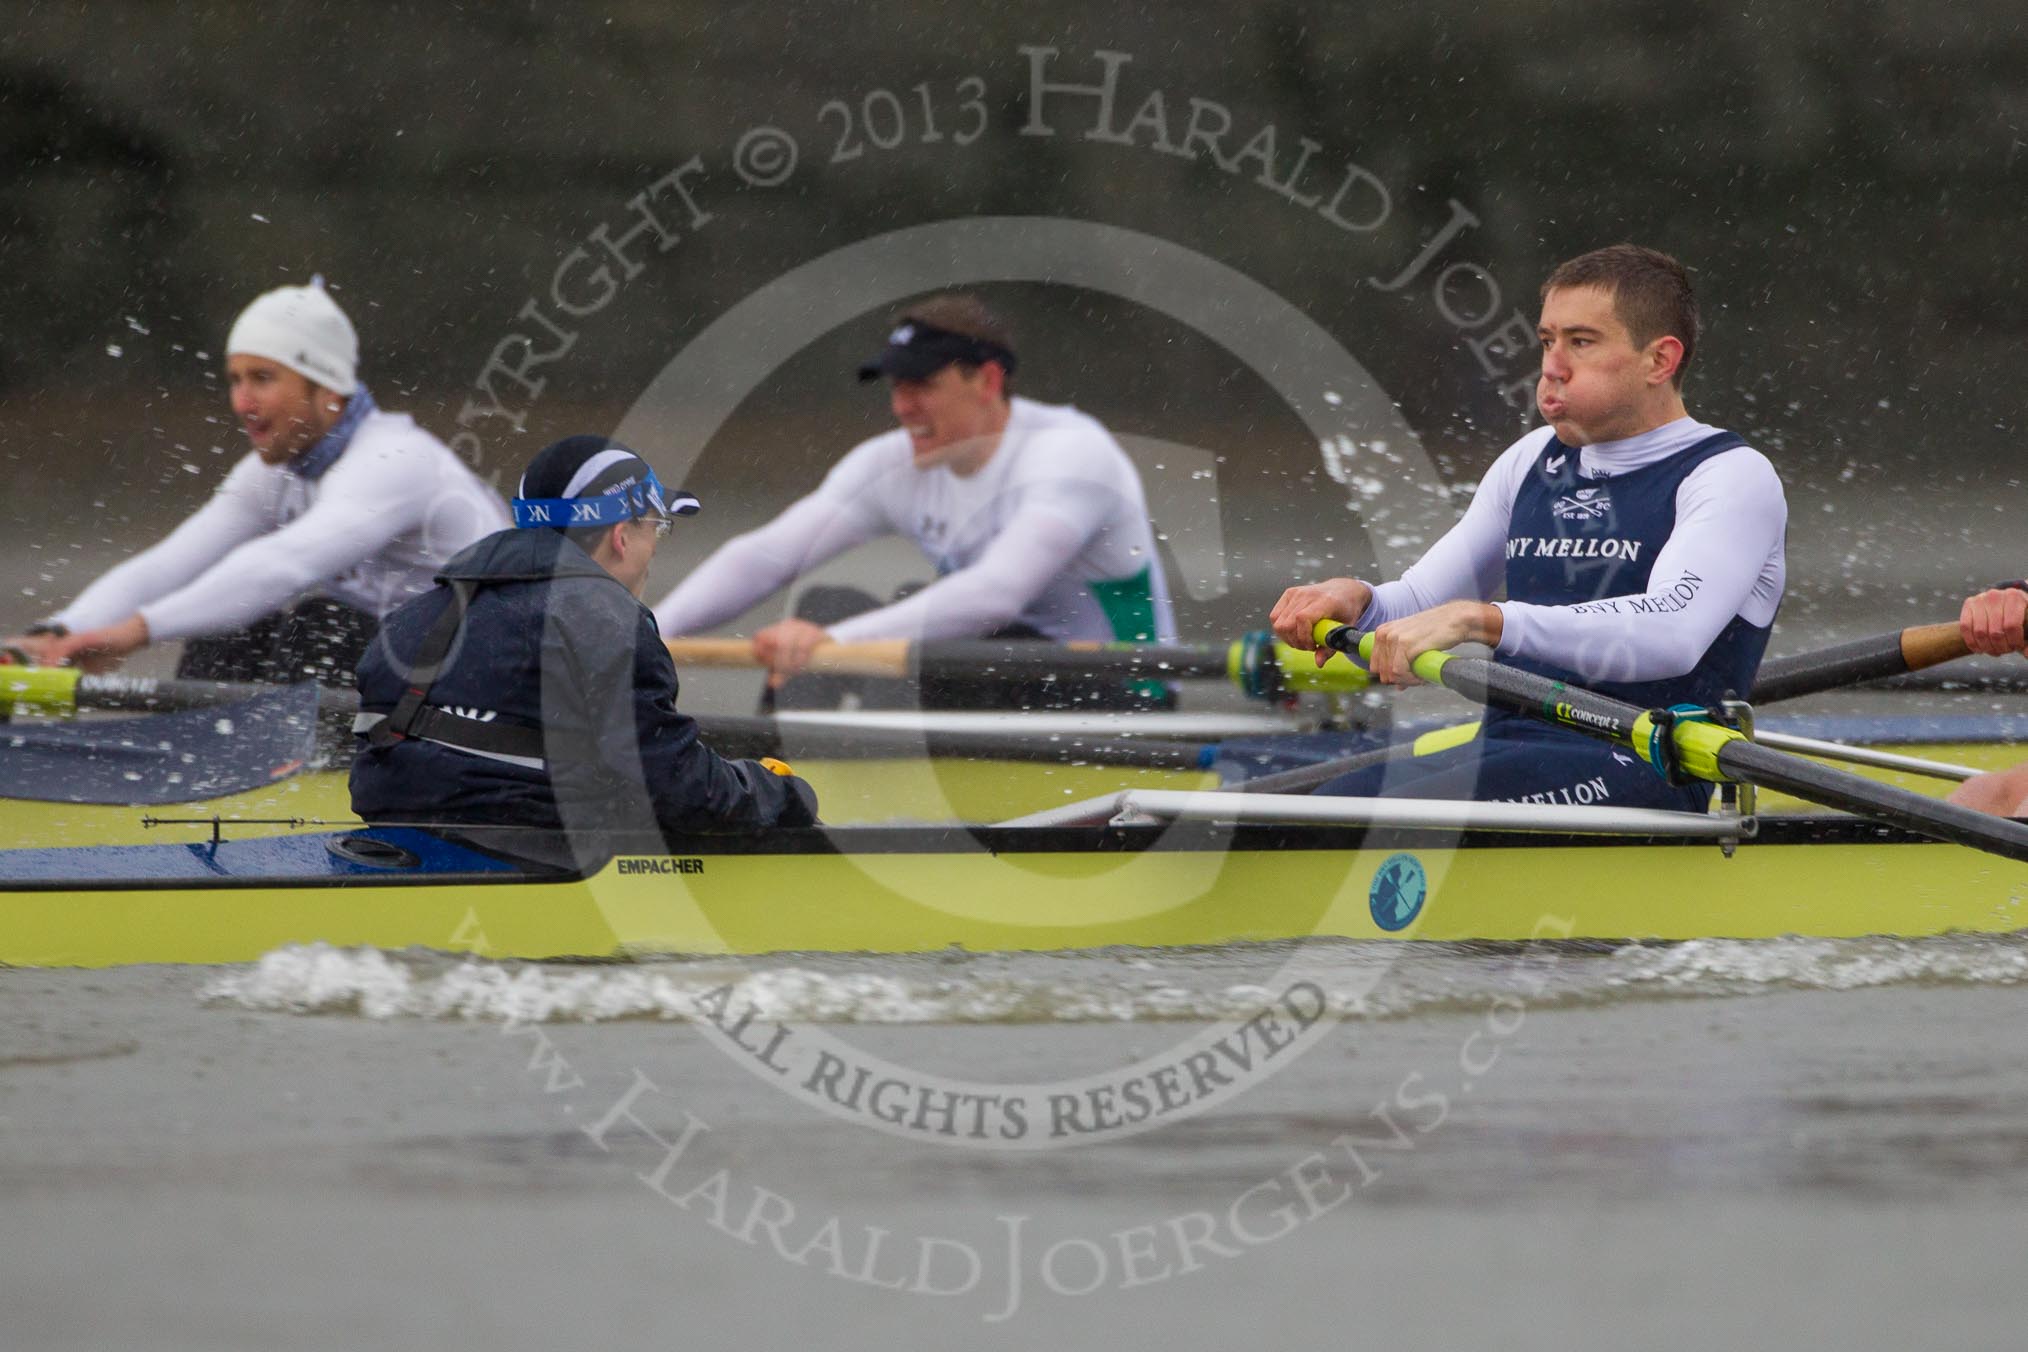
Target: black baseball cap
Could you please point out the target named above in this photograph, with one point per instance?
(916, 351)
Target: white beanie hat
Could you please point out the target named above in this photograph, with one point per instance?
(302, 328)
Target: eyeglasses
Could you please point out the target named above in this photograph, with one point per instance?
(662, 524)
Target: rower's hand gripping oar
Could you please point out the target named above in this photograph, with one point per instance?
(1707, 751)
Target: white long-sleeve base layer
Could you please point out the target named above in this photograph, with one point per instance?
(371, 532)
(1731, 525)
(1052, 532)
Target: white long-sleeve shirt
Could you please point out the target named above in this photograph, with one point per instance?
(1051, 532)
(1728, 542)
(371, 532)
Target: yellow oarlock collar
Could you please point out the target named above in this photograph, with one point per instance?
(1697, 746)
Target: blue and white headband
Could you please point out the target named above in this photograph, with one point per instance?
(637, 494)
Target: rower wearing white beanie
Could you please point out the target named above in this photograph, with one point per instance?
(302, 328)
(341, 512)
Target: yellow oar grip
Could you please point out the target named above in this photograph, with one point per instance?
(39, 690)
(1697, 746)
(1300, 672)
(1262, 668)
(1428, 666)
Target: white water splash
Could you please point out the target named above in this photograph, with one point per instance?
(320, 979)
(1428, 981)
(1730, 966)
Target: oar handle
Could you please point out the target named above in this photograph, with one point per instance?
(1427, 666)
(711, 652)
(1929, 644)
(883, 657)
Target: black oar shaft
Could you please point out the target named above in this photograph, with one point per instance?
(1806, 779)
(147, 694)
(1304, 778)
(959, 659)
(1863, 659)
(1552, 701)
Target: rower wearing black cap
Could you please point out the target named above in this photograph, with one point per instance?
(1031, 514)
(530, 687)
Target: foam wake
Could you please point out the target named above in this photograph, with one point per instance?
(1370, 981)
(319, 979)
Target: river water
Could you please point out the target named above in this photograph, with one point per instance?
(1786, 1143)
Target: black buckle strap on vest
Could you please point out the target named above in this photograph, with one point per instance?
(473, 734)
(429, 661)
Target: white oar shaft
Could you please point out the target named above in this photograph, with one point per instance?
(1860, 755)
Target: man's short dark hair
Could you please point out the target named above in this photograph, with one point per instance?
(962, 313)
(1650, 290)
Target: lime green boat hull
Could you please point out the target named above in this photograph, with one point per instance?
(926, 890)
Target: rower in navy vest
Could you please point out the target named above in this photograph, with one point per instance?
(1641, 552)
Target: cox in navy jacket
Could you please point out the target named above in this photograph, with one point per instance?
(552, 641)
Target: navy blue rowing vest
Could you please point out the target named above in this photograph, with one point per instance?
(1573, 540)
